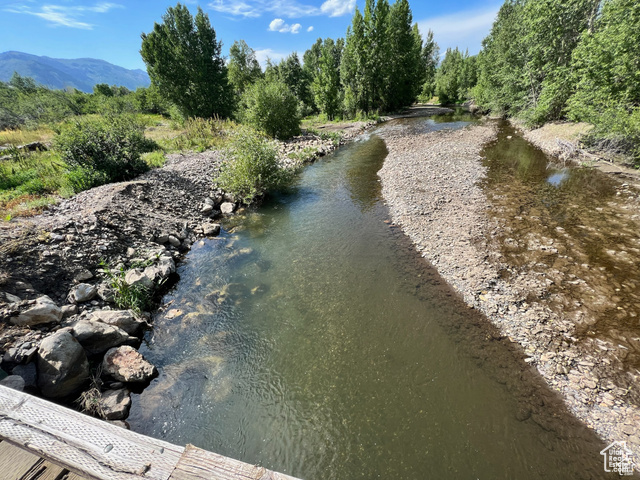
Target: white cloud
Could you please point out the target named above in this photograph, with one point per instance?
(337, 8)
(282, 8)
(310, 29)
(64, 15)
(279, 25)
(465, 29)
(266, 53)
(235, 8)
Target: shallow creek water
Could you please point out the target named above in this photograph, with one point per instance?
(578, 229)
(312, 339)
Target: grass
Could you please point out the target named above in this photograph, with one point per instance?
(200, 134)
(134, 297)
(25, 135)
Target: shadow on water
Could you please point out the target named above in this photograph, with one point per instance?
(574, 227)
(314, 340)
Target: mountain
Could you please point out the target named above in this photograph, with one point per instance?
(80, 73)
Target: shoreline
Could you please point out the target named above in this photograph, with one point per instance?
(431, 184)
(53, 279)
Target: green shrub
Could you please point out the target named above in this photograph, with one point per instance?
(201, 134)
(272, 107)
(111, 145)
(135, 297)
(154, 159)
(252, 167)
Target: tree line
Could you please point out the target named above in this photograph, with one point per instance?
(548, 60)
(381, 65)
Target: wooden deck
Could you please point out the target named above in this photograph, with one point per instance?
(44, 441)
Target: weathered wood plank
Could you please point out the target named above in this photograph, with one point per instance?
(46, 471)
(198, 464)
(15, 463)
(83, 444)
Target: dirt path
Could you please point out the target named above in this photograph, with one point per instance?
(432, 184)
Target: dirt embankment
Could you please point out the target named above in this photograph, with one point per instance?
(432, 184)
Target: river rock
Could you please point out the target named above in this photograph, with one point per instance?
(69, 310)
(44, 310)
(83, 276)
(174, 241)
(227, 208)
(123, 319)
(13, 381)
(83, 293)
(97, 337)
(211, 229)
(128, 365)
(62, 365)
(115, 404)
(138, 277)
(28, 373)
(158, 272)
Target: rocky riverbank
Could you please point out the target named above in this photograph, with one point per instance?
(64, 273)
(433, 185)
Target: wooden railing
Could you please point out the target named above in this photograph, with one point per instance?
(98, 450)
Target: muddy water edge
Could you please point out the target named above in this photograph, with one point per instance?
(312, 338)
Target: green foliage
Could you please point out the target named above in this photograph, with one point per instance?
(606, 71)
(326, 79)
(201, 134)
(524, 66)
(252, 168)
(154, 159)
(110, 145)
(272, 107)
(455, 77)
(134, 297)
(243, 66)
(185, 64)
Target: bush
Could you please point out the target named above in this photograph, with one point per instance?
(111, 145)
(252, 167)
(272, 107)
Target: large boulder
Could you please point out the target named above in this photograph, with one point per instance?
(124, 319)
(98, 337)
(126, 364)
(42, 310)
(62, 365)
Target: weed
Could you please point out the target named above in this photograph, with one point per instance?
(134, 297)
(90, 402)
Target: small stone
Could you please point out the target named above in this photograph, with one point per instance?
(83, 292)
(83, 276)
(115, 404)
(174, 241)
(227, 208)
(69, 310)
(207, 209)
(15, 382)
(138, 277)
(209, 201)
(211, 229)
(629, 429)
(28, 373)
(162, 239)
(128, 365)
(12, 298)
(43, 311)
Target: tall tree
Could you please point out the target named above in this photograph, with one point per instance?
(429, 63)
(353, 67)
(326, 82)
(295, 77)
(243, 67)
(184, 62)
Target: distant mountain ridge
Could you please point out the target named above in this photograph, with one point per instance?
(59, 73)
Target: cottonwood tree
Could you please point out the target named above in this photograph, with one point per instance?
(184, 62)
(243, 67)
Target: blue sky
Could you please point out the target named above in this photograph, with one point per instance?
(111, 30)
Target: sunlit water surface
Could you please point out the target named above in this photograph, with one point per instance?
(313, 340)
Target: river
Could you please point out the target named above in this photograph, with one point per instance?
(311, 338)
